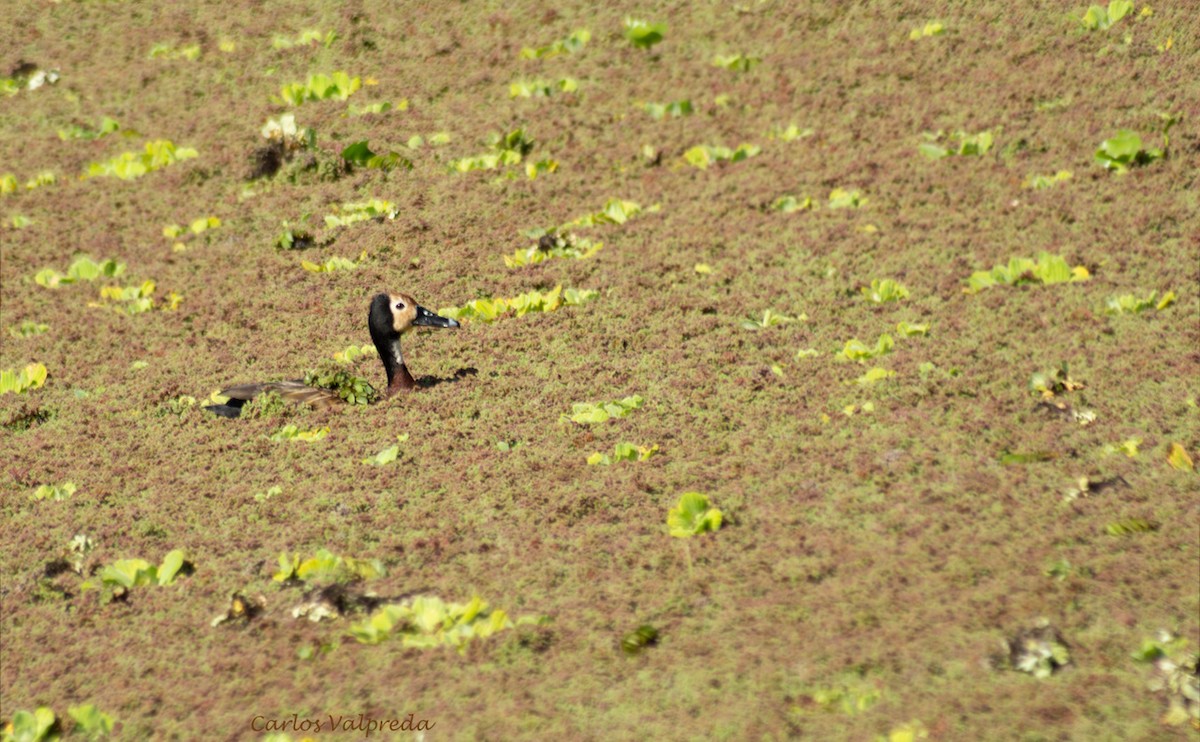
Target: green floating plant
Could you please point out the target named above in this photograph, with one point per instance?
(639, 639)
(840, 198)
(82, 269)
(1130, 304)
(307, 37)
(163, 50)
(906, 329)
(337, 86)
(329, 266)
(770, 318)
(123, 575)
(387, 455)
(427, 621)
(325, 566)
(490, 310)
(156, 155)
(570, 45)
(736, 62)
(703, 155)
(1124, 151)
(1046, 269)
(588, 413)
(353, 389)
(969, 145)
(360, 155)
(622, 452)
(932, 28)
(104, 128)
(1042, 182)
(133, 299)
(659, 111)
(856, 350)
(33, 726)
(346, 214)
(644, 34)
(1099, 18)
(881, 292)
(789, 134)
(32, 376)
(293, 433)
(542, 88)
(788, 204)
(874, 375)
(507, 149)
(54, 491)
(550, 245)
(28, 328)
(692, 515)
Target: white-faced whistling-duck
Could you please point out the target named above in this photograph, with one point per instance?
(391, 316)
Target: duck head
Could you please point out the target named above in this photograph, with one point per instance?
(391, 316)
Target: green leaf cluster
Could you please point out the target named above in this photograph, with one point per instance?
(644, 34)
(1124, 151)
(54, 491)
(542, 88)
(883, 291)
(305, 38)
(360, 154)
(387, 455)
(32, 376)
(1042, 182)
(856, 350)
(33, 726)
(876, 374)
(969, 145)
(703, 155)
(164, 50)
(586, 413)
(337, 86)
(130, 300)
(124, 574)
(1130, 304)
(1128, 526)
(659, 111)
(155, 155)
(427, 621)
(104, 128)
(638, 639)
(573, 43)
(790, 134)
(552, 245)
(1054, 382)
(82, 268)
(353, 389)
(788, 204)
(770, 318)
(489, 310)
(1045, 269)
(28, 328)
(329, 266)
(932, 28)
(293, 433)
(622, 452)
(692, 515)
(197, 226)
(91, 721)
(615, 211)
(840, 198)
(1099, 18)
(507, 149)
(361, 211)
(906, 329)
(354, 352)
(325, 566)
(736, 62)
(373, 108)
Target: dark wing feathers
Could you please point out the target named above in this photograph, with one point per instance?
(292, 391)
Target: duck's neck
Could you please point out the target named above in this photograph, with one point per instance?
(399, 379)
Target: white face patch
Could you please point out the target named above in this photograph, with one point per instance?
(397, 356)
